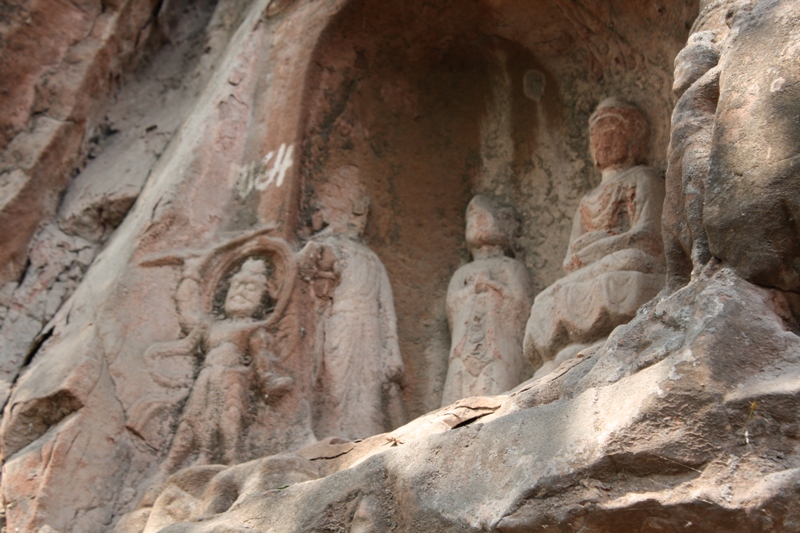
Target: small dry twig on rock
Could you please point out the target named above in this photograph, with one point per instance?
(394, 440)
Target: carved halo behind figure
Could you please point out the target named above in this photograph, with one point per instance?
(170, 363)
(218, 268)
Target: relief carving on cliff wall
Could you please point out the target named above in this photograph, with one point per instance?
(615, 259)
(695, 399)
(230, 300)
(360, 368)
(488, 303)
(199, 363)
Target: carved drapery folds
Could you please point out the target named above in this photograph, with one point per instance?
(356, 349)
(615, 259)
(488, 303)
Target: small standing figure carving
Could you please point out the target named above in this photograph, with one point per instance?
(213, 422)
(615, 259)
(488, 302)
(360, 367)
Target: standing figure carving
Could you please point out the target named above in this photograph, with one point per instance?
(615, 260)
(359, 362)
(228, 301)
(488, 303)
(213, 420)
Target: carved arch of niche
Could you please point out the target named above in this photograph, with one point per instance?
(434, 102)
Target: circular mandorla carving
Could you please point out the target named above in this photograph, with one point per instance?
(217, 270)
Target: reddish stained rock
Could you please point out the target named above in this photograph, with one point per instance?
(60, 62)
(687, 415)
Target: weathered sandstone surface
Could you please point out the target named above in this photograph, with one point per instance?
(228, 231)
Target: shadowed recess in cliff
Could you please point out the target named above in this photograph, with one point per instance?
(436, 102)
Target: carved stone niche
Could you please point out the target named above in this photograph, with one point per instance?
(436, 102)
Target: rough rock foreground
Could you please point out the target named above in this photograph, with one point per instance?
(684, 419)
(655, 432)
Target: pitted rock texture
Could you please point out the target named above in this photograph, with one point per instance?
(119, 155)
(57, 264)
(754, 157)
(687, 415)
(60, 62)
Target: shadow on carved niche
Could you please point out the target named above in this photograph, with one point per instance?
(435, 109)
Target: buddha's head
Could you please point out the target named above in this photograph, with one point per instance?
(619, 135)
(342, 203)
(490, 228)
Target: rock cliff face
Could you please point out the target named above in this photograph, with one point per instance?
(203, 206)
